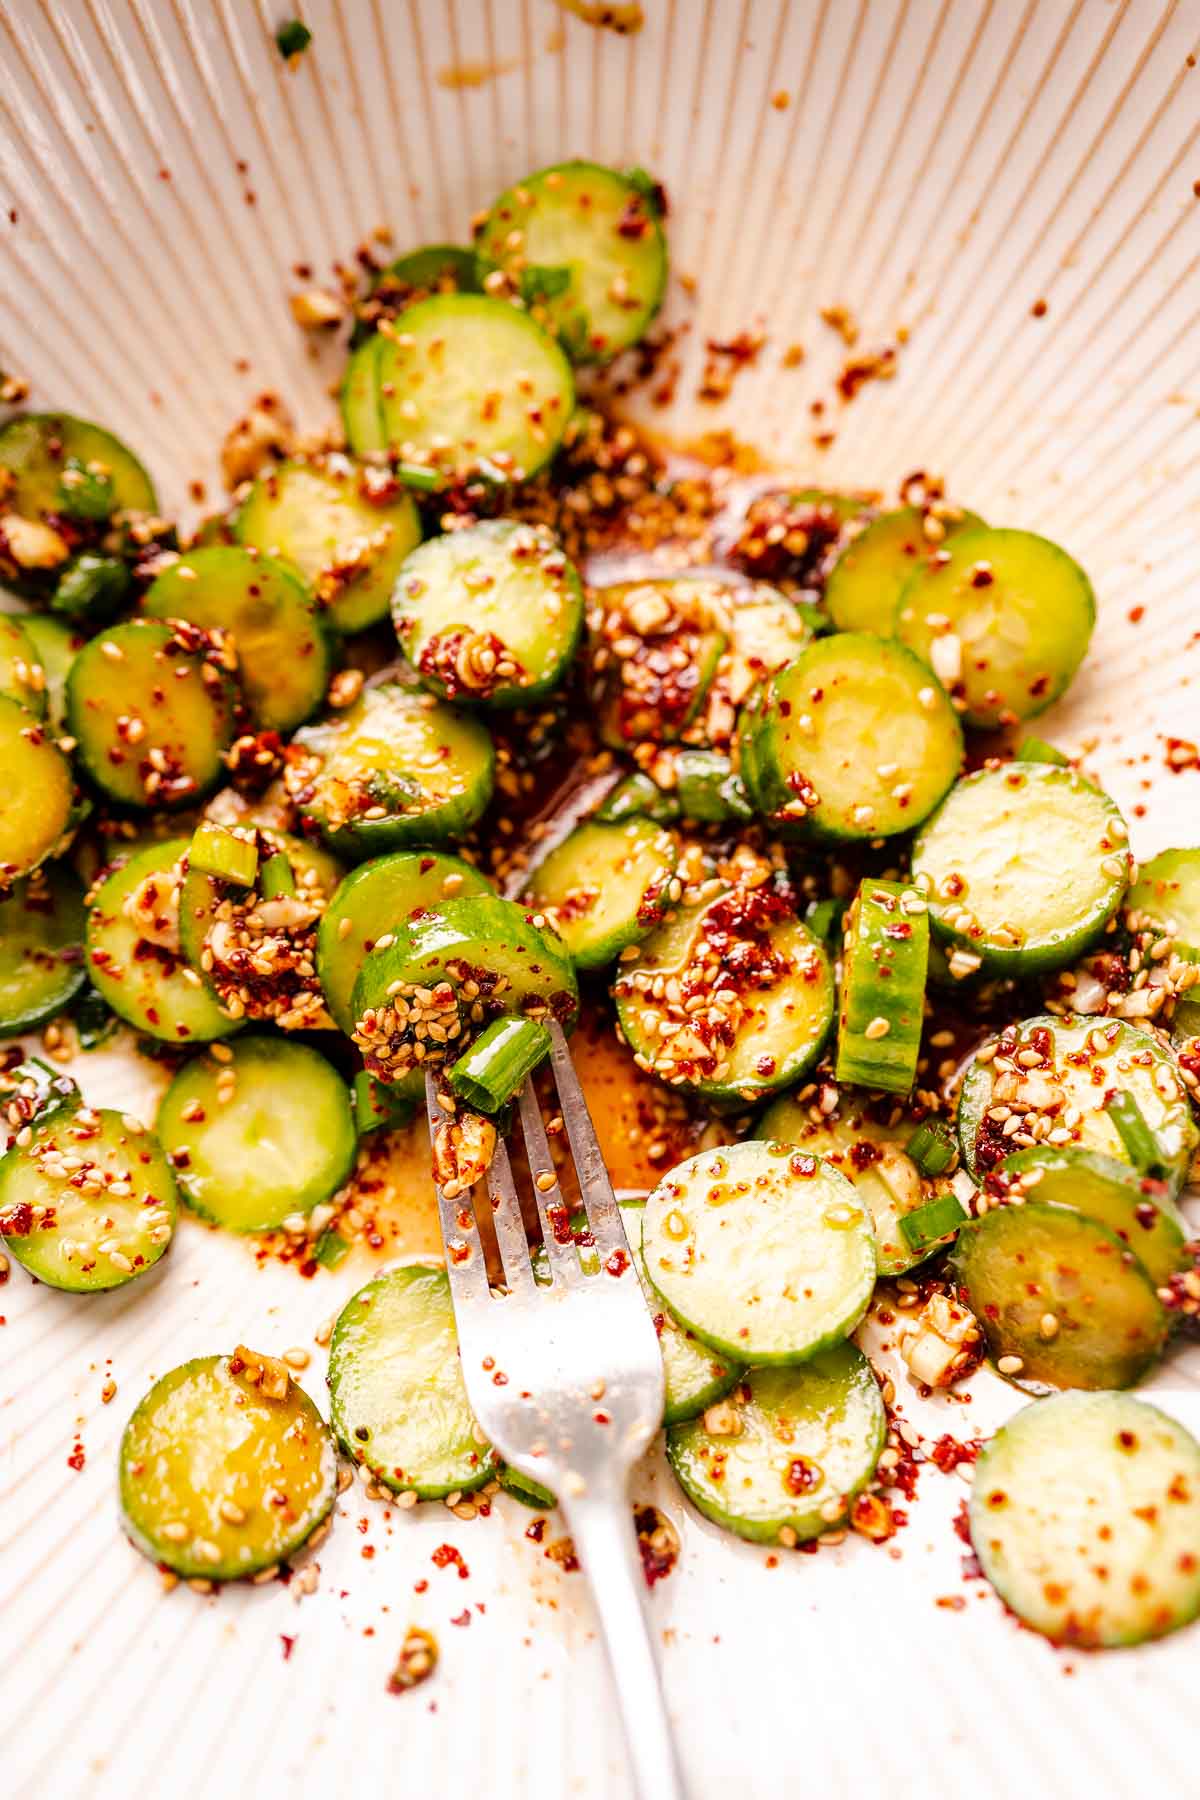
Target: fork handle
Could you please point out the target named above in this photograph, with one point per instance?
(603, 1536)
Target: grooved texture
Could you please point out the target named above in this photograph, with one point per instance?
(940, 165)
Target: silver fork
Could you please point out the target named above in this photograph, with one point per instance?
(566, 1379)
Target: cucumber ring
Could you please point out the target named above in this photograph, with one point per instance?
(604, 887)
(885, 963)
(22, 677)
(863, 588)
(38, 797)
(1140, 1212)
(42, 925)
(694, 1377)
(1167, 895)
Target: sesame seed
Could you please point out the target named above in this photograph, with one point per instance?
(878, 1028)
(1011, 1365)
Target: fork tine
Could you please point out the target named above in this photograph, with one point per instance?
(604, 1216)
(460, 1234)
(510, 1227)
(562, 1258)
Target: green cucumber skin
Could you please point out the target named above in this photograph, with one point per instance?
(17, 648)
(362, 413)
(877, 611)
(63, 907)
(597, 952)
(1156, 1240)
(1167, 892)
(884, 976)
(433, 269)
(529, 1493)
(25, 450)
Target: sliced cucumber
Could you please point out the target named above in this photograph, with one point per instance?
(362, 402)
(637, 796)
(283, 653)
(53, 461)
(56, 646)
(217, 1479)
(1024, 866)
(1061, 1301)
(863, 588)
(1107, 1562)
(322, 517)
(42, 925)
(89, 1203)
(656, 648)
(134, 956)
(261, 1137)
(1140, 1212)
(469, 384)
(884, 966)
(1083, 1063)
(37, 797)
(1003, 618)
(396, 1395)
(419, 995)
(370, 902)
(529, 1493)
(869, 1151)
(800, 1444)
(853, 740)
(396, 768)
(696, 1377)
(604, 887)
(582, 246)
(491, 613)
(315, 873)
(764, 1252)
(1167, 895)
(22, 677)
(710, 790)
(768, 983)
(150, 713)
(434, 269)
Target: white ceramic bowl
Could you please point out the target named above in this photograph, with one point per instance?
(938, 165)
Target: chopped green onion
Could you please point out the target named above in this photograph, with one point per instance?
(85, 493)
(93, 1019)
(709, 789)
(416, 475)
(378, 1107)
(217, 851)
(332, 1248)
(929, 1224)
(277, 880)
(824, 918)
(292, 38)
(1141, 1145)
(1035, 749)
(543, 282)
(92, 586)
(931, 1147)
(496, 1065)
(637, 796)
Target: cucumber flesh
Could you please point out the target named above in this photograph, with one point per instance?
(134, 956)
(1167, 895)
(884, 967)
(433, 269)
(22, 677)
(863, 588)
(763, 972)
(42, 923)
(323, 518)
(853, 740)
(37, 797)
(396, 1396)
(56, 646)
(1061, 1300)
(361, 401)
(1084, 1061)
(1114, 1571)
(695, 1376)
(1024, 866)
(89, 1204)
(807, 1441)
(396, 768)
(762, 1251)
(35, 448)
(604, 887)
(1140, 1212)
(283, 653)
(261, 1138)
(207, 1446)
(490, 614)
(1003, 618)
(583, 247)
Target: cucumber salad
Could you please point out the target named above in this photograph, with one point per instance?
(475, 717)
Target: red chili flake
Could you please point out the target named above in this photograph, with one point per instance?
(962, 1524)
(464, 1617)
(289, 1644)
(77, 1458)
(617, 1263)
(445, 1555)
(799, 1476)
(536, 1531)
(657, 1542)
(947, 1453)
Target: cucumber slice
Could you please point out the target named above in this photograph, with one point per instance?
(37, 798)
(1140, 1212)
(434, 269)
(442, 973)
(261, 1137)
(710, 790)
(56, 646)
(283, 652)
(529, 1493)
(470, 384)
(764, 1252)
(869, 1151)
(1024, 866)
(1084, 1062)
(89, 1204)
(1109, 1563)
(695, 1376)
(491, 613)
(42, 925)
(884, 967)
(805, 1441)
(853, 740)
(370, 902)
(582, 246)
(134, 956)
(396, 1397)
(396, 768)
(1003, 618)
(22, 677)
(150, 713)
(1061, 1301)
(863, 588)
(218, 1480)
(362, 403)
(1167, 895)
(770, 988)
(604, 887)
(323, 519)
(655, 652)
(36, 449)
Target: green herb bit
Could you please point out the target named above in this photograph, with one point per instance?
(498, 1062)
(219, 852)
